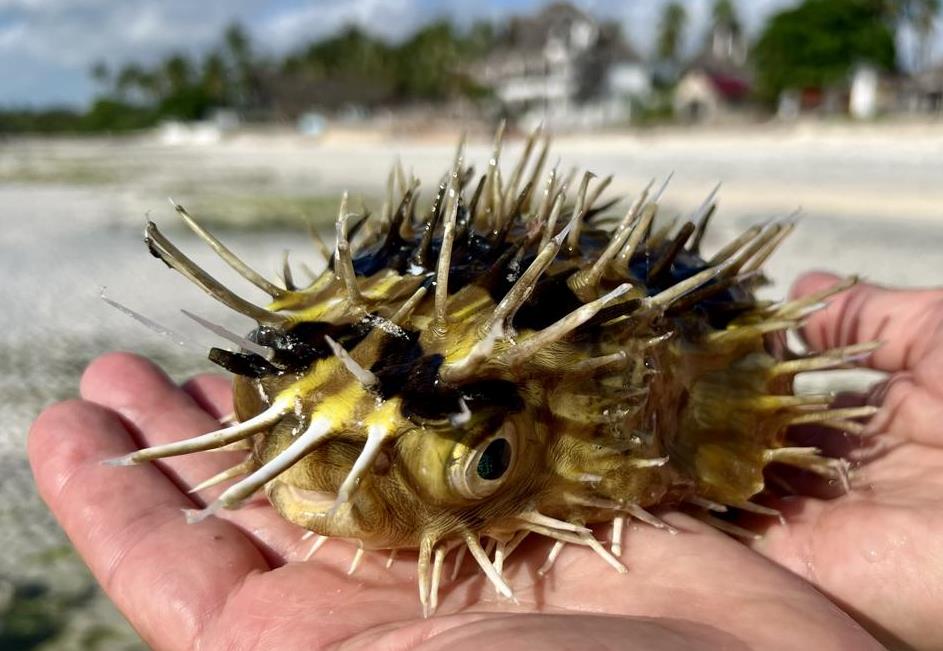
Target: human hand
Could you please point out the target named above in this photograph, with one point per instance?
(878, 551)
(237, 581)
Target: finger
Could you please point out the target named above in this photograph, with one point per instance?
(162, 573)
(904, 320)
(162, 412)
(910, 410)
(213, 393)
(158, 411)
(833, 441)
(546, 631)
(669, 578)
(666, 571)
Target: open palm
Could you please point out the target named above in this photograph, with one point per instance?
(878, 551)
(238, 582)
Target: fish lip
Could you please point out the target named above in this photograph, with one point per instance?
(318, 511)
(320, 502)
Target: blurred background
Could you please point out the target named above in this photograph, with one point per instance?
(256, 115)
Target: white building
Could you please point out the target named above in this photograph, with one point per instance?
(863, 95)
(716, 85)
(563, 68)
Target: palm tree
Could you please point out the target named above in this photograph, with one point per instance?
(133, 81)
(215, 81)
(922, 17)
(725, 17)
(671, 32)
(725, 34)
(238, 51)
(177, 73)
(101, 73)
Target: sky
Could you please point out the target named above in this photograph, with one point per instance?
(47, 47)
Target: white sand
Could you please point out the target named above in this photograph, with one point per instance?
(71, 222)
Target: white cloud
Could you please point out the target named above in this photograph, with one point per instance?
(393, 19)
(48, 46)
(73, 34)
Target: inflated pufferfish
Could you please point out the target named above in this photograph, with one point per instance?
(489, 370)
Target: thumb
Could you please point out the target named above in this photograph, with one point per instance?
(906, 321)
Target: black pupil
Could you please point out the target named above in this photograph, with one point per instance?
(495, 459)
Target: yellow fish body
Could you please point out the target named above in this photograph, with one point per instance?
(507, 365)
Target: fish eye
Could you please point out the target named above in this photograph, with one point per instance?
(483, 469)
(495, 460)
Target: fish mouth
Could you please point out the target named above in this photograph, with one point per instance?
(311, 503)
(316, 510)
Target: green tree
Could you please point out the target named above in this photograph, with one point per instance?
(819, 42)
(925, 24)
(108, 114)
(427, 62)
(100, 72)
(238, 45)
(724, 15)
(176, 73)
(215, 78)
(133, 83)
(351, 52)
(481, 38)
(355, 67)
(350, 67)
(671, 32)
(240, 58)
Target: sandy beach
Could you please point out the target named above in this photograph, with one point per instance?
(72, 212)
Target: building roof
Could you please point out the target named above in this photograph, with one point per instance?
(573, 28)
(723, 55)
(731, 88)
(556, 20)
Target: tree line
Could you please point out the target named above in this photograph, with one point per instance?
(349, 67)
(816, 43)
(813, 44)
